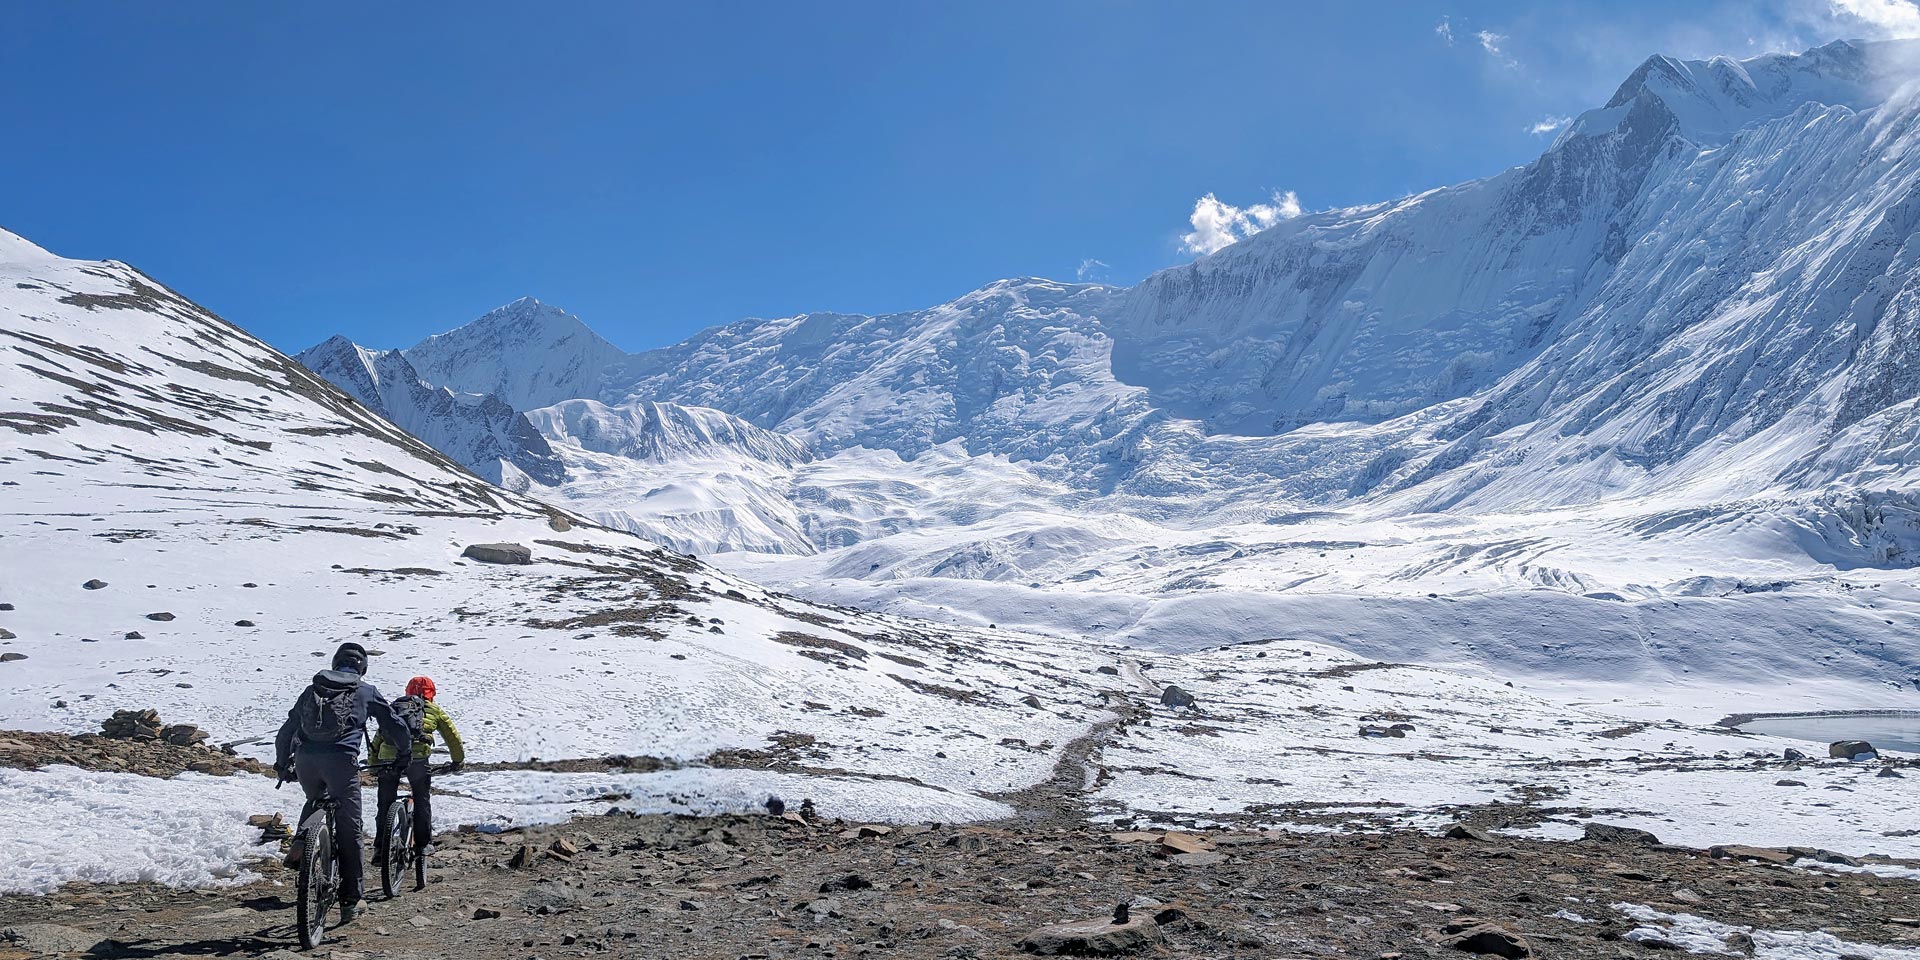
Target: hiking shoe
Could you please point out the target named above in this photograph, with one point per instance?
(292, 859)
(350, 911)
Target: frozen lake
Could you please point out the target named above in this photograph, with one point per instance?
(1886, 732)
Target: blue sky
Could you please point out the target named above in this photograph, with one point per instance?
(389, 171)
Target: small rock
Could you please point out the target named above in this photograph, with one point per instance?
(1093, 938)
(848, 883)
(1789, 783)
(1175, 844)
(1175, 697)
(94, 585)
(1373, 731)
(135, 635)
(10, 656)
(6, 608)
(1735, 851)
(1031, 701)
(1208, 859)
(1793, 755)
(564, 848)
(547, 899)
(776, 806)
(243, 623)
(423, 922)
(1110, 671)
(6, 634)
(162, 616)
(498, 553)
(1489, 939)
(1461, 831)
(1888, 772)
(522, 858)
(482, 913)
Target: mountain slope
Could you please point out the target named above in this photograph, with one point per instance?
(245, 516)
(482, 433)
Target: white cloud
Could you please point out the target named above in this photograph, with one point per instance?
(1445, 29)
(1091, 271)
(1217, 224)
(1546, 125)
(1886, 18)
(1495, 44)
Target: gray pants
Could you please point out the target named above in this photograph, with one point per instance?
(335, 774)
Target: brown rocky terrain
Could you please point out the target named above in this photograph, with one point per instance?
(741, 887)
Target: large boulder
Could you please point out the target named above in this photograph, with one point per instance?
(1608, 833)
(499, 553)
(47, 939)
(1851, 749)
(1175, 697)
(1093, 938)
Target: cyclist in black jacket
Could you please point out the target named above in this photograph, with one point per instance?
(320, 744)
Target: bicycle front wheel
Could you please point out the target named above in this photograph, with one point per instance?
(312, 888)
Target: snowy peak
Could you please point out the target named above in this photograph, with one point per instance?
(481, 432)
(664, 432)
(527, 353)
(1712, 99)
(1000, 367)
(18, 249)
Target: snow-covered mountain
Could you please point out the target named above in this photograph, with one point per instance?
(664, 432)
(1657, 367)
(526, 353)
(481, 432)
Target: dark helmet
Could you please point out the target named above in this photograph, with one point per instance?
(351, 656)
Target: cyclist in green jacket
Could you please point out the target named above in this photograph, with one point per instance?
(418, 711)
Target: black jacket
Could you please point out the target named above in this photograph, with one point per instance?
(367, 703)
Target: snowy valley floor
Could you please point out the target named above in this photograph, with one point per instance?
(1274, 741)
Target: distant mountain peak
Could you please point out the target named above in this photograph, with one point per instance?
(528, 353)
(1711, 99)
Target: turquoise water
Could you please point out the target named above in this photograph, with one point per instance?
(1900, 733)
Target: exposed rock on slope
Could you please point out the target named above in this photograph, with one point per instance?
(481, 432)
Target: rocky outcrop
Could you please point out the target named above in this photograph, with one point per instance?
(499, 553)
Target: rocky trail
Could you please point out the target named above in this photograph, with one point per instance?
(751, 887)
(1057, 878)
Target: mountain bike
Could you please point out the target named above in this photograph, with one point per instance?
(402, 850)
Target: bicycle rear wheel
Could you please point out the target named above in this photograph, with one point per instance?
(416, 851)
(313, 888)
(393, 863)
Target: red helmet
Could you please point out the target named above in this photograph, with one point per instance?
(420, 687)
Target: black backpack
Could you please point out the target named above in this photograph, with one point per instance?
(411, 712)
(330, 710)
